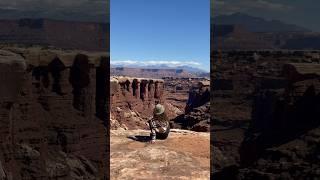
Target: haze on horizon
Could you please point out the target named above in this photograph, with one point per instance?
(302, 13)
(171, 32)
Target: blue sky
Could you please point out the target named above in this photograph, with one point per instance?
(304, 13)
(174, 32)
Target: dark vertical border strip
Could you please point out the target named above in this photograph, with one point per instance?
(108, 104)
(108, 94)
(211, 92)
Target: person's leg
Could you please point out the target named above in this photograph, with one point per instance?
(152, 129)
(165, 134)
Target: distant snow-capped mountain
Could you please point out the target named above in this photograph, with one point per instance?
(160, 70)
(187, 68)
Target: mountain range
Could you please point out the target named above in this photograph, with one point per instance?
(164, 66)
(161, 70)
(90, 36)
(56, 14)
(240, 31)
(256, 24)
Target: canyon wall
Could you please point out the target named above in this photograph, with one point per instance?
(265, 112)
(51, 107)
(196, 116)
(133, 100)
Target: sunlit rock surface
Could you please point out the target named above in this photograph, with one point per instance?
(184, 155)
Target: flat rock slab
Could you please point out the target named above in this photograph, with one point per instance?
(184, 155)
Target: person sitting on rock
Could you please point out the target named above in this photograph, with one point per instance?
(159, 124)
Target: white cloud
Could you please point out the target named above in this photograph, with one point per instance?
(154, 63)
(125, 62)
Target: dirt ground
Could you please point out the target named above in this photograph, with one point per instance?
(184, 155)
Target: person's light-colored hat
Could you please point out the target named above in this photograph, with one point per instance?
(159, 109)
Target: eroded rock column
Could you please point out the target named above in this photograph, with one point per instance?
(158, 89)
(136, 88)
(144, 89)
(80, 79)
(151, 90)
(12, 69)
(102, 89)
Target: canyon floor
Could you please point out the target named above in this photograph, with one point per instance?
(184, 155)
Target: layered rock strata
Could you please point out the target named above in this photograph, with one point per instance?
(133, 99)
(50, 128)
(269, 126)
(197, 109)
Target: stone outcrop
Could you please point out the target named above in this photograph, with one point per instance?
(133, 99)
(177, 93)
(266, 123)
(197, 109)
(184, 155)
(284, 114)
(50, 126)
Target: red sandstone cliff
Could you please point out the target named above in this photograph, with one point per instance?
(133, 100)
(49, 109)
